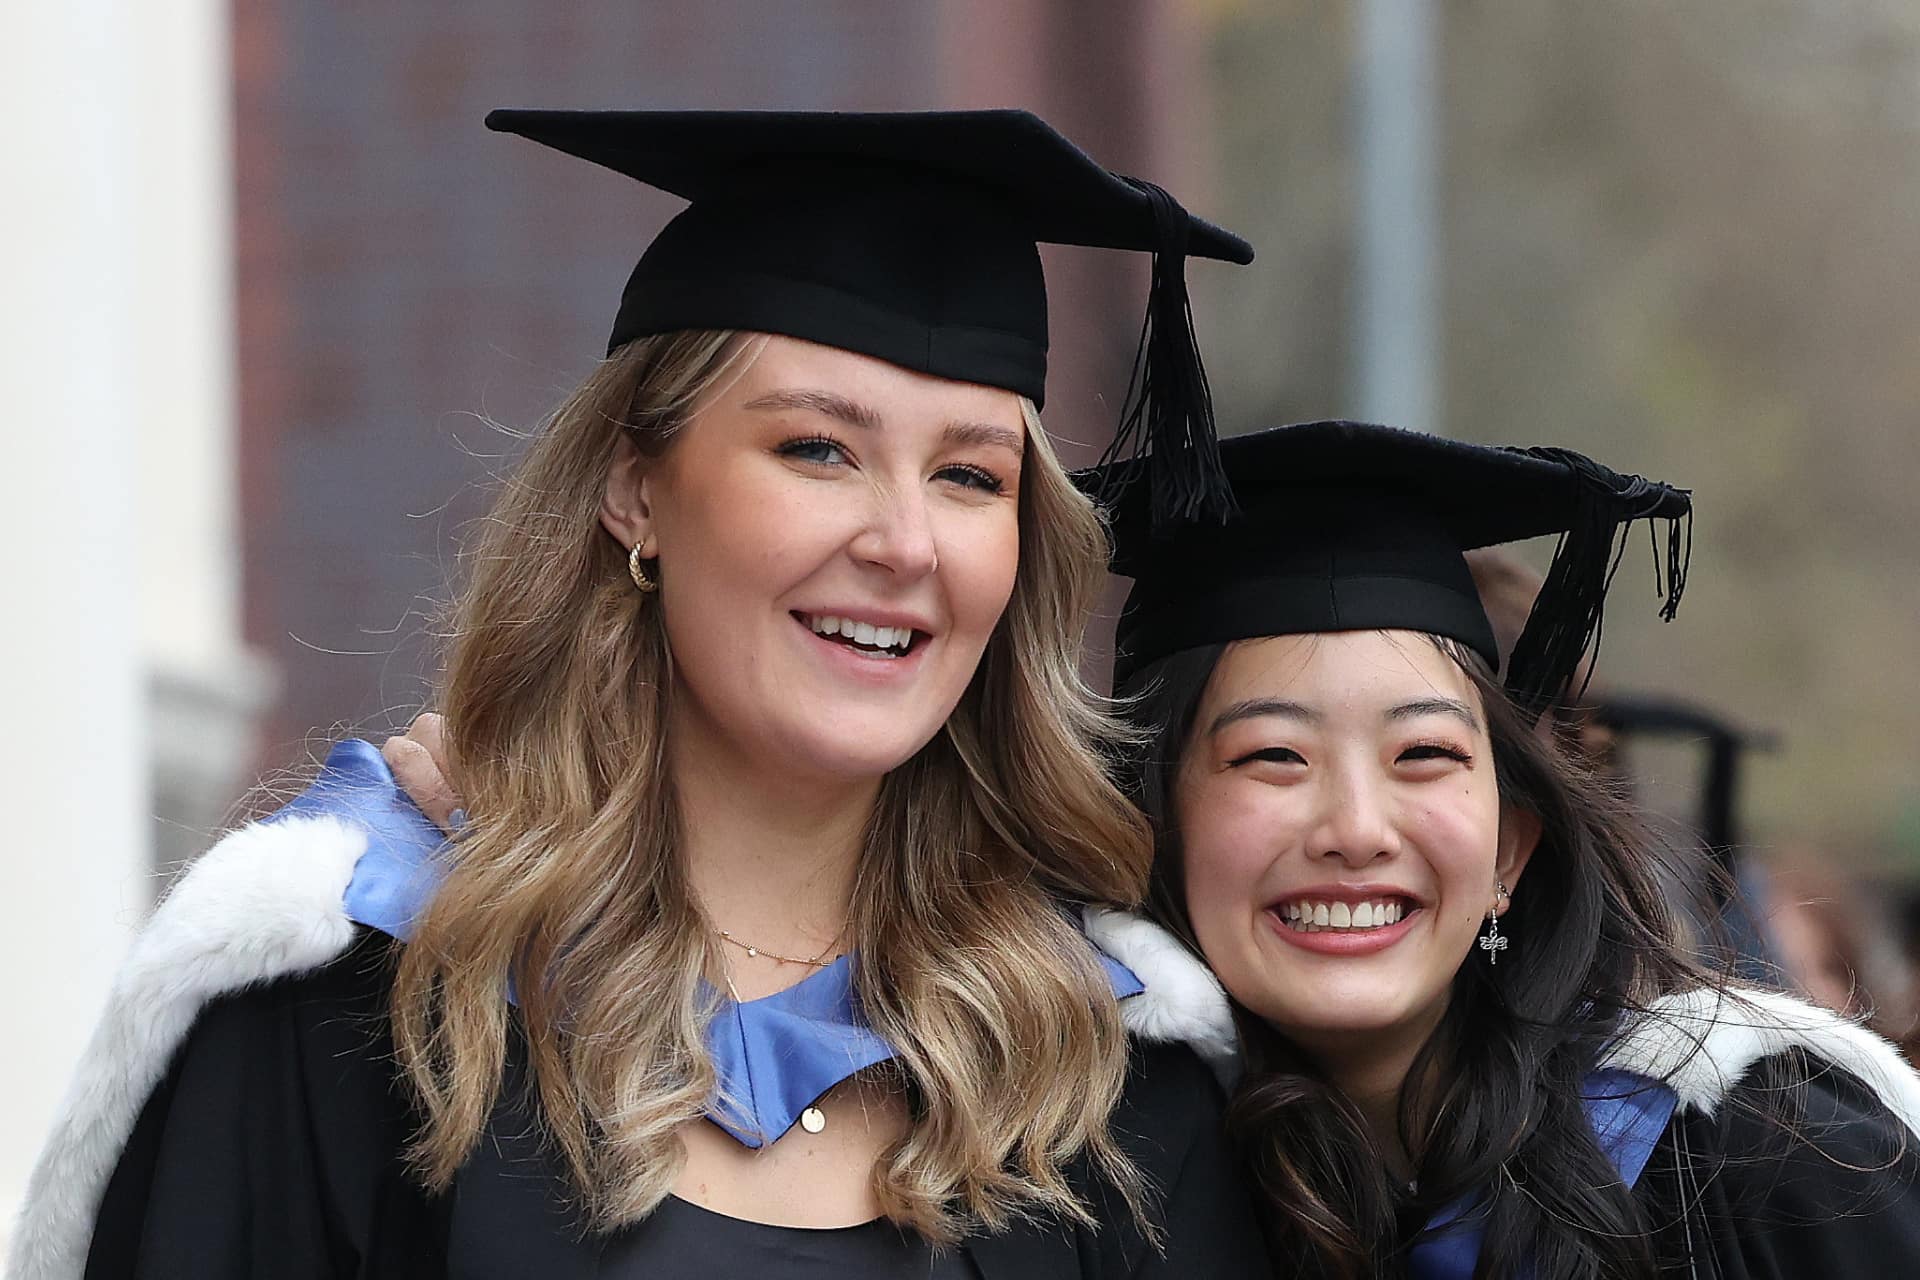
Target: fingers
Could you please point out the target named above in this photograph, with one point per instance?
(429, 729)
(419, 764)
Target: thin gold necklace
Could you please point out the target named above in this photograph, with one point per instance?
(819, 960)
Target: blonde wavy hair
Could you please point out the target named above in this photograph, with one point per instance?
(568, 880)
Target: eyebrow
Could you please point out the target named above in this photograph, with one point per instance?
(986, 434)
(1435, 707)
(834, 405)
(1254, 708)
(828, 403)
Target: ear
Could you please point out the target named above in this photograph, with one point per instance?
(1519, 837)
(626, 509)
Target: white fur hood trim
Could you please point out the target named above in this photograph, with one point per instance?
(1703, 1043)
(263, 903)
(1183, 1000)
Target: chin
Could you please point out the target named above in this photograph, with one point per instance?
(1337, 1014)
(1309, 1005)
(852, 749)
(1312, 1025)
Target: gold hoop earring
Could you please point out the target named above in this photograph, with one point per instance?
(639, 575)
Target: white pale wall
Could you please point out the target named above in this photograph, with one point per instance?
(117, 556)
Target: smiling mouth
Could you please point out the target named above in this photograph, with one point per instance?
(863, 637)
(1311, 915)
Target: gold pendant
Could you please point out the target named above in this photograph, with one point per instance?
(813, 1120)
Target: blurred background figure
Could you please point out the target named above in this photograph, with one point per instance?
(1698, 795)
(1840, 939)
(272, 287)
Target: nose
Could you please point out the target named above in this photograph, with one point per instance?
(1355, 823)
(898, 537)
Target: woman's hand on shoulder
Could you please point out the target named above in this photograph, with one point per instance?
(419, 763)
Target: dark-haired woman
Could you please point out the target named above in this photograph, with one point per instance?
(1470, 1046)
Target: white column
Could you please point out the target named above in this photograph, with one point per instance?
(116, 546)
(203, 687)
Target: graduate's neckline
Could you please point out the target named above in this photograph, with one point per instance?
(839, 969)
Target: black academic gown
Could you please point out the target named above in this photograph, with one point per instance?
(272, 1149)
(1800, 1172)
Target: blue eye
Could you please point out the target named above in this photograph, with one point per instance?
(973, 477)
(816, 449)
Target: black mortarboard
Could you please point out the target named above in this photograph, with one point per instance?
(1646, 715)
(1729, 895)
(1345, 526)
(910, 236)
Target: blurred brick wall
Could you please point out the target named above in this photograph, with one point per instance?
(403, 273)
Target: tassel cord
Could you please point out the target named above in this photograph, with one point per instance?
(1566, 623)
(1167, 425)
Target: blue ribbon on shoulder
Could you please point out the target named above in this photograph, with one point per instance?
(774, 1056)
(1627, 1113)
(397, 876)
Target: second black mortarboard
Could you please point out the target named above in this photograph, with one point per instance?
(1346, 526)
(1724, 744)
(909, 236)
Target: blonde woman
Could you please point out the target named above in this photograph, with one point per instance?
(757, 951)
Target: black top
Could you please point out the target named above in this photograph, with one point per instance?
(682, 1241)
(272, 1150)
(1348, 526)
(1801, 1173)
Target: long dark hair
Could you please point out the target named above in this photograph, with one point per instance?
(1491, 1109)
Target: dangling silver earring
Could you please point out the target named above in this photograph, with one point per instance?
(639, 575)
(1492, 942)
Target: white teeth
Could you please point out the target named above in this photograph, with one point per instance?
(1318, 917)
(863, 633)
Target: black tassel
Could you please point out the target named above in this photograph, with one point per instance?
(1565, 624)
(1679, 560)
(1168, 425)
